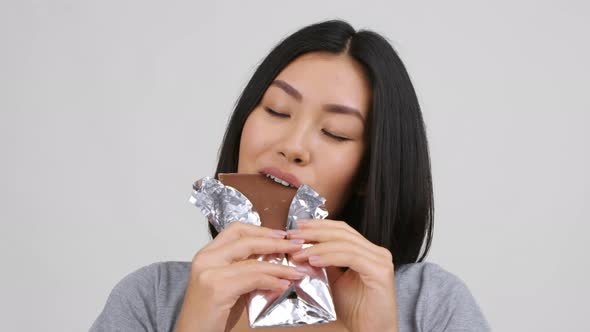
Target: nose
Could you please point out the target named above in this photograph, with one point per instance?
(294, 147)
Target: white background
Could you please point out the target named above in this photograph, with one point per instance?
(109, 110)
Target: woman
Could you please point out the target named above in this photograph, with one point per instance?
(335, 109)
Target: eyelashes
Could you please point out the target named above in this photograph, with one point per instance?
(327, 133)
(273, 113)
(338, 138)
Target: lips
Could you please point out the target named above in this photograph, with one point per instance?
(281, 177)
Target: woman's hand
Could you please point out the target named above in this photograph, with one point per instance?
(223, 270)
(364, 295)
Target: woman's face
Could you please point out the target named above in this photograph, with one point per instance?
(309, 127)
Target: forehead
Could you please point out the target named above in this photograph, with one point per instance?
(325, 78)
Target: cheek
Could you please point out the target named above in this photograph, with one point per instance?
(252, 142)
(336, 175)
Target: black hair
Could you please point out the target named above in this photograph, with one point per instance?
(396, 209)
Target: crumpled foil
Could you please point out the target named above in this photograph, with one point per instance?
(307, 301)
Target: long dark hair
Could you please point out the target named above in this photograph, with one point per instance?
(396, 209)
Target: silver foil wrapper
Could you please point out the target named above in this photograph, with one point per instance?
(307, 301)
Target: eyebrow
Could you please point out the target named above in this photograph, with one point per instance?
(331, 108)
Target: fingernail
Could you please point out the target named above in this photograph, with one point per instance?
(285, 282)
(297, 241)
(293, 231)
(314, 258)
(298, 253)
(301, 269)
(278, 233)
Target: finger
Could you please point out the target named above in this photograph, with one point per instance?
(347, 254)
(237, 230)
(244, 284)
(326, 223)
(380, 271)
(326, 234)
(247, 276)
(252, 266)
(350, 248)
(223, 287)
(245, 247)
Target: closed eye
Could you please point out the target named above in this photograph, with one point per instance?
(338, 138)
(327, 133)
(277, 114)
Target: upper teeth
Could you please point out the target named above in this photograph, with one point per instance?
(277, 180)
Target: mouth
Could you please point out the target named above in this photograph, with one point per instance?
(280, 177)
(277, 180)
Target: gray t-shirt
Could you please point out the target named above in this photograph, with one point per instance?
(428, 299)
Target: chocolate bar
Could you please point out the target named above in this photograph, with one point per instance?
(234, 198)
(270, 199)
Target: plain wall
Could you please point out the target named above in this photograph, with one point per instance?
(109, 110)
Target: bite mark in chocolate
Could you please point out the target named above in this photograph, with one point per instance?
(270, 199)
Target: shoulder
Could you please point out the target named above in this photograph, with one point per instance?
(427, 274)
(433, 297)
(152, 277)
(147, 297)
(162, 282)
